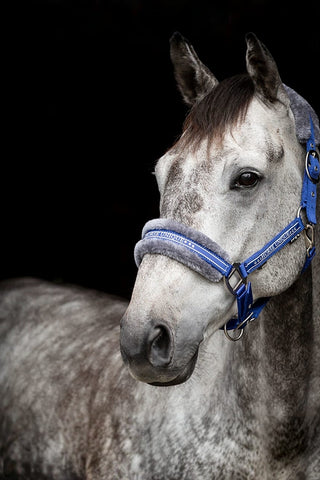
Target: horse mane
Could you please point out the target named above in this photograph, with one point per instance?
(223, 107)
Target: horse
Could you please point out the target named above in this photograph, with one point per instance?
(217, 375)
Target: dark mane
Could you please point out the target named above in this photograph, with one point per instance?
(223, 107)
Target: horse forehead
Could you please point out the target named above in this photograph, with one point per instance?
(260, 137)
(258, 141)
(261, 128)
(250, 142)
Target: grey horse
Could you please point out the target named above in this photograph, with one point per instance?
(189, 404)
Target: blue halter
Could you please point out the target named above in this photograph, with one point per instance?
(236, 275)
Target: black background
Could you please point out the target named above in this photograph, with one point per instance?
(90, 103)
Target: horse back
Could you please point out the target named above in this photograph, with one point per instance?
(55, 342)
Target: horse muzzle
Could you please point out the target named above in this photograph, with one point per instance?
(155, 355)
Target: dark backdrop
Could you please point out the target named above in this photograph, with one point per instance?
(90, 103)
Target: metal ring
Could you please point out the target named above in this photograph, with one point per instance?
(307, 165)
(249, 318)
(232, 339)
(304, 221)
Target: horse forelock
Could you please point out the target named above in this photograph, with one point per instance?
(222, 108)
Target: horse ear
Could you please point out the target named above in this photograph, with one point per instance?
(194, 79)
(264, 72)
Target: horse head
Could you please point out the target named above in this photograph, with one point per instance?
(235, 176)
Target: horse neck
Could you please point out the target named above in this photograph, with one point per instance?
(273, 371)
(276, 342)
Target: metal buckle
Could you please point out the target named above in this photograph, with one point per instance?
(241, 280)
(309, 233)
(314, 153)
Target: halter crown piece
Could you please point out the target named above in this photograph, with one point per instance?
(198, 252)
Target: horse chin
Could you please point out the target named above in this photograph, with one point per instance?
(182, 377)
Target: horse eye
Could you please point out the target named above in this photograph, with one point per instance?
(246, 180)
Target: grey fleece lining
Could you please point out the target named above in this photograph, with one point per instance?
(179, 252)
(301, 111)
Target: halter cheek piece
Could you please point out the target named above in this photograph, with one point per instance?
(201, 254)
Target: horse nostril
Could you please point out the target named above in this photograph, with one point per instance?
(160, 346)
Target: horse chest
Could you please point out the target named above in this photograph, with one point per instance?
(212, 437)
(210, 449)
(181, 444)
